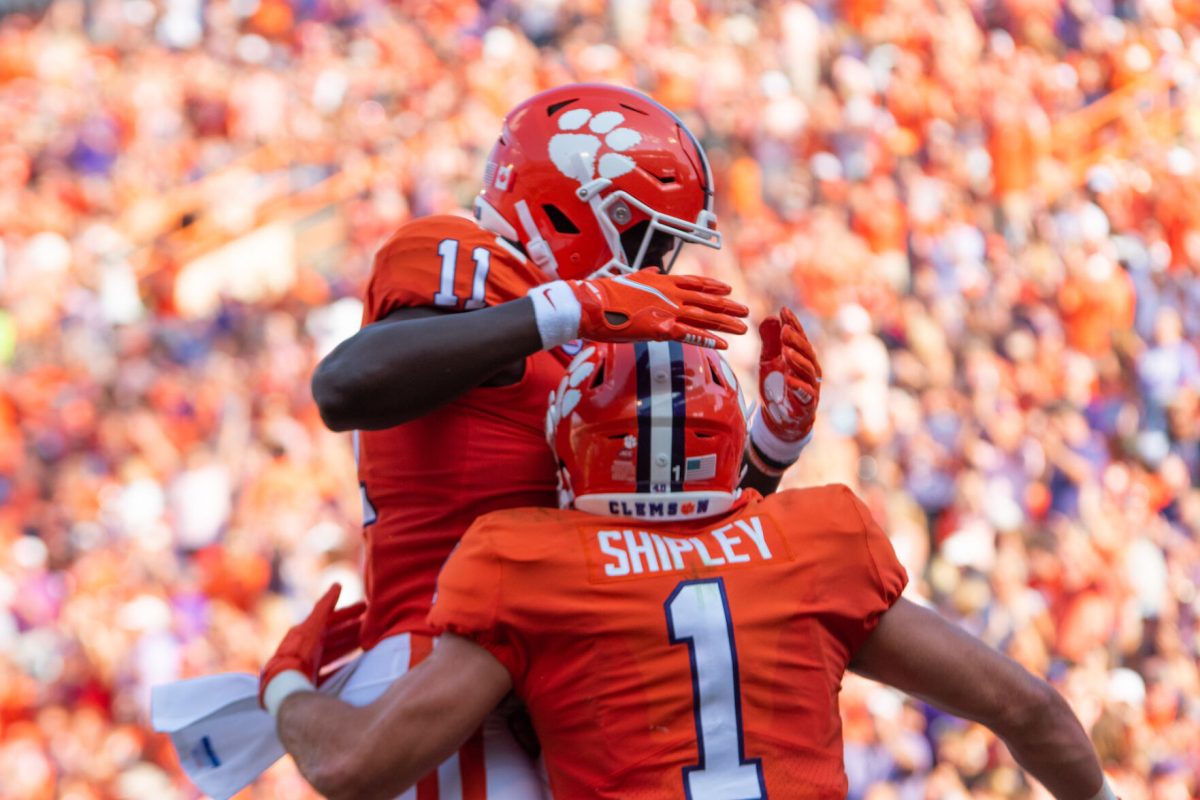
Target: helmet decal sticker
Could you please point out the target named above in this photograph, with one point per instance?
(575, 154)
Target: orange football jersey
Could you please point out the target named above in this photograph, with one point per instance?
(671, 660)
(426, 481)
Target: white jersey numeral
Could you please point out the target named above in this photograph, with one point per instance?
(368, 508)
(445, 296)
(698, 616)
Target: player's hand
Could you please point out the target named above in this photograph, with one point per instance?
(645, 306)
(301, 651)
(789, 377)
(342, 636)
(650, 305)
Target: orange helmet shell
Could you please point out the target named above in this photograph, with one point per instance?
(654, 430)
(584, 173)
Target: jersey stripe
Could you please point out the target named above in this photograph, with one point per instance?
(421, 646)
(473, 768)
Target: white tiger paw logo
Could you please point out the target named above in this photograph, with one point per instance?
(575, 153)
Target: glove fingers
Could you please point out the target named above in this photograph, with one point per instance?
(336, 646)
(768, 331)
(324, 607)
(349, 627)
(352, 612)
(794, 337)
(682, 332)
(801, 366)
(800, 382)
(801, 391)
(710, 302)
(711, 321)
(699, 283)
(335, 650)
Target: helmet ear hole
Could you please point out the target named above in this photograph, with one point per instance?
(718, 378)
(561, 222)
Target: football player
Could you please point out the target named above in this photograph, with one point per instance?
(688, 643)
(586, 188)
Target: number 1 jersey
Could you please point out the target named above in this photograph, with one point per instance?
(671, 660)
(425, 482)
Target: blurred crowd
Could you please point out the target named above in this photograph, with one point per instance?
(987, 212)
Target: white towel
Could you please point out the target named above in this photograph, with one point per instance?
(224, 740)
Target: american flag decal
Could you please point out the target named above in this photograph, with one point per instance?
(700, 467)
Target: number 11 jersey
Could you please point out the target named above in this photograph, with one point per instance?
(667, 660)
(426, 481)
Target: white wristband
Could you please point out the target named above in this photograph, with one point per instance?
(1105, 793)
(771, 445)
(557, 311)
(281, 686)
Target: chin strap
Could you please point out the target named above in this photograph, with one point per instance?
(537, 247)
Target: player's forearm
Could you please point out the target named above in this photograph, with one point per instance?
(398, 370)
(322, 735)
(759, 480)
(1050, 744)
(913, 649)
(351, 753)
(379, 750)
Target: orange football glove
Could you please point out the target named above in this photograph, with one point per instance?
(299, 656)
(789, 383)
(343, 635)
(645, 306)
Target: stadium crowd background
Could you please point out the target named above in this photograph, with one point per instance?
(988, 212)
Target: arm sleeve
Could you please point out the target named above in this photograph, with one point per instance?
(867, 578)
(469, 600)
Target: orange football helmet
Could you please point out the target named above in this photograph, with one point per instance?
(654, 430)
(597, 180)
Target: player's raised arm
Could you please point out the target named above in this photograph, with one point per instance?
(789, 390)
(417, 360)
(918, 652)
(587, 184)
